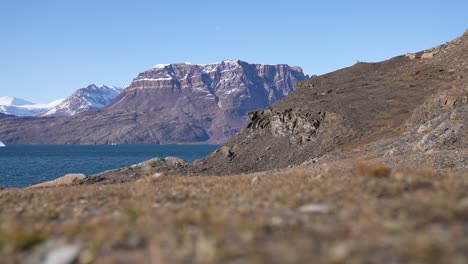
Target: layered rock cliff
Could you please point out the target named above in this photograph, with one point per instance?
(178, 103)
(210, 101)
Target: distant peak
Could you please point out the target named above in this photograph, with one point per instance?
(160, 66)
(102, 86)
(10, 100)
(231, 61)
(227, 61)
(6, 100)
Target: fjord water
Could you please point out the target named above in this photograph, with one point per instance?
(24, 165)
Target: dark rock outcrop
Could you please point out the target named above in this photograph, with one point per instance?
(298, 127)
(156, 167)
(177, 103)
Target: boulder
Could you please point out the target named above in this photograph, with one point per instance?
(68, 179)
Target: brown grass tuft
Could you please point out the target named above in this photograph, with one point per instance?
(378, 170)
(20, 239)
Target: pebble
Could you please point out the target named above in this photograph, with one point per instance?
(53, 252)
(339, 252)
(314, 208)
(255, 180)
(62, 255)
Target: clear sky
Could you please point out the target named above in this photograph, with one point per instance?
(49, 49)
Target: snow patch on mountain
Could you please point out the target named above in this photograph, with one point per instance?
(92, 97)
(10, 100)
(19, 107)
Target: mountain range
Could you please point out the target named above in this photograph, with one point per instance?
(90, 98)
(175, 103)
(19, 107)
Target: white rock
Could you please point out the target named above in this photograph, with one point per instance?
(62, 255)
(314, 208)
(256, 179)
(427, 55)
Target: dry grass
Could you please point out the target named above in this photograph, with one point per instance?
(379, 170)
(416, 216)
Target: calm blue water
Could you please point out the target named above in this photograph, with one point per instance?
(23, 165)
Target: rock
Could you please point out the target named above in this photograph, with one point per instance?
(54, 253)
(427, 55)
(64, 180)
(314, 208)
(411, 56)
(256, 180)
(311, 161)
(340, 252)
(227, 152)
(174, 161)
(392, 152)
(445, 131)
(154, 168)
(62, 255)
(158, 162)
(294, 125)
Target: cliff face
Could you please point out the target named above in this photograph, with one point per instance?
(231, 85)
(211, 99)
(178, 103)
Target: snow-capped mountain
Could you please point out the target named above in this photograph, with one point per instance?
(92, 97)
(19, 107)
(10, 100)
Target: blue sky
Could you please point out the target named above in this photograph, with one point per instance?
(49, 49)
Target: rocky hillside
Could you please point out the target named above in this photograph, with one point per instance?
(409, 110)
(90, 98)
(412, 108)
(178, 103)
